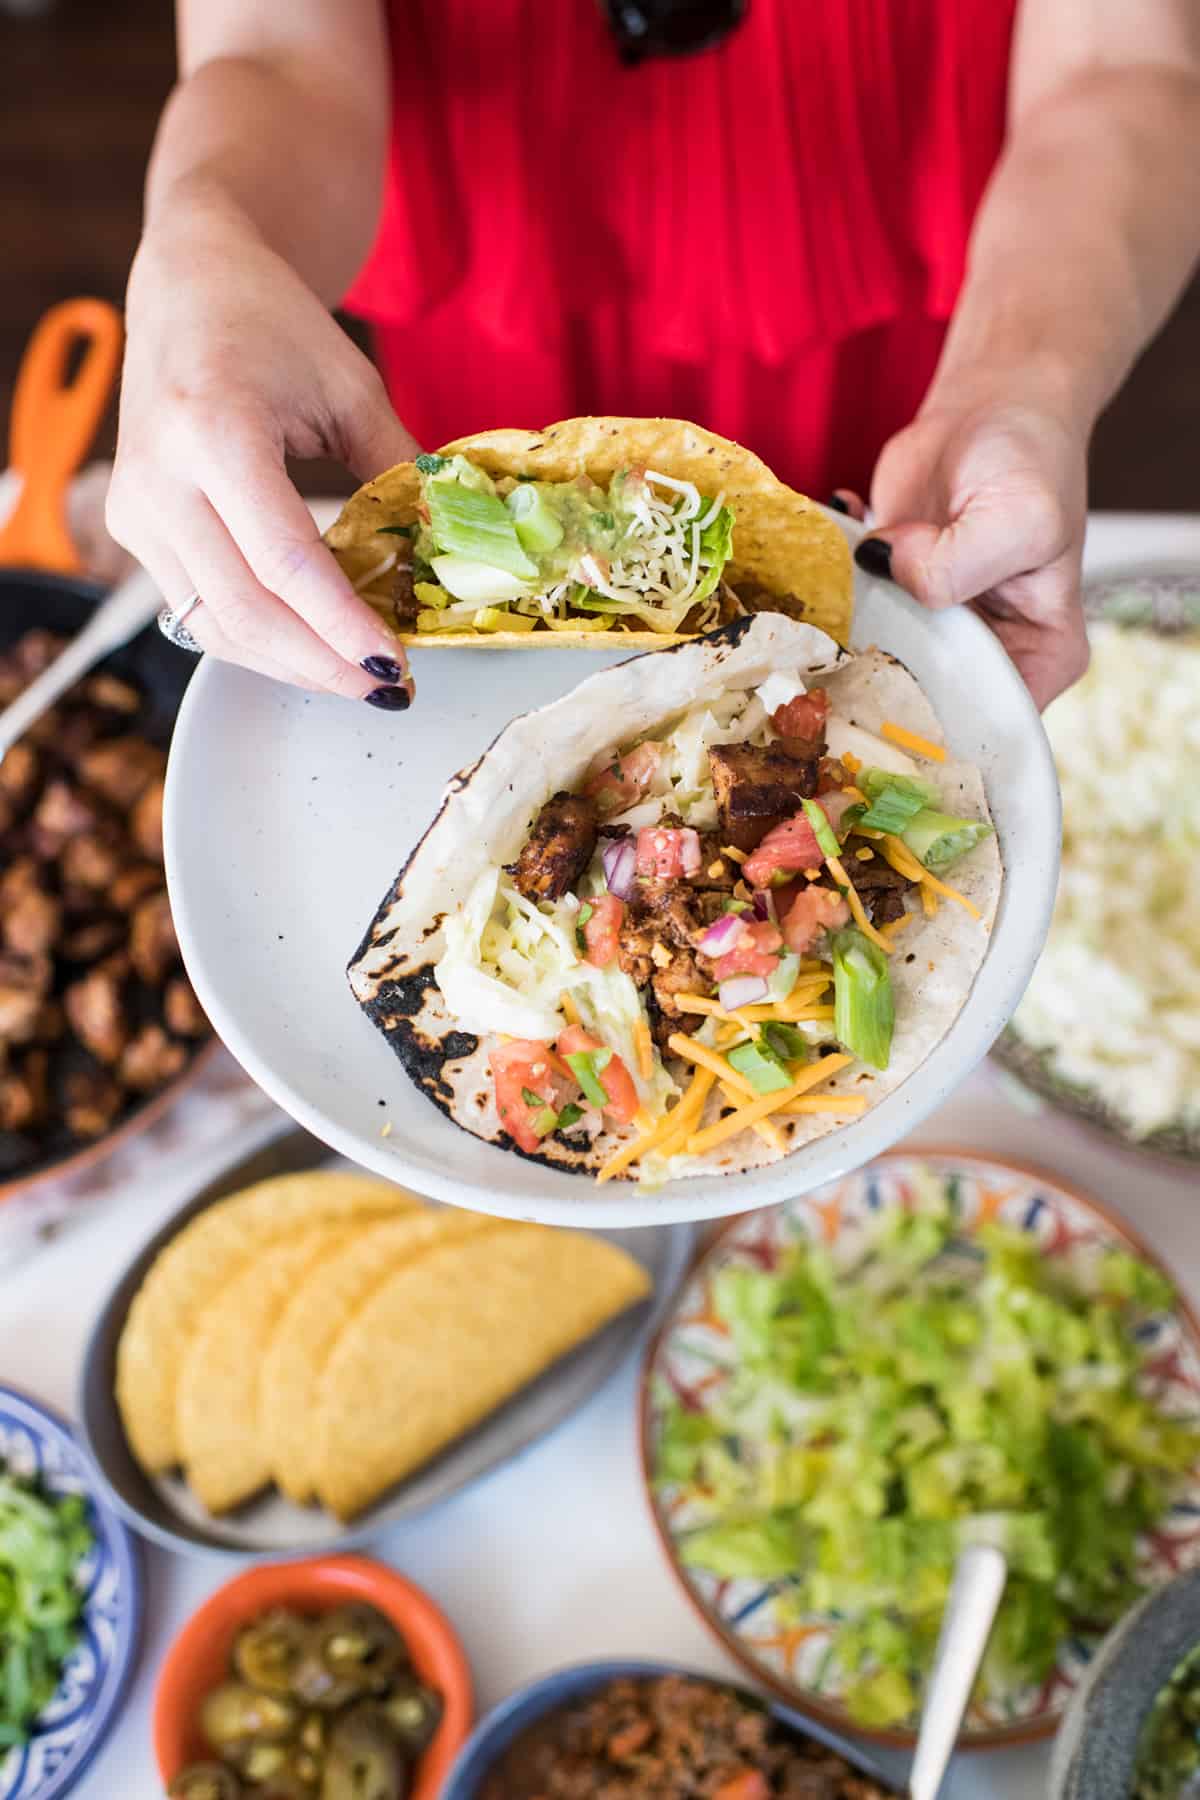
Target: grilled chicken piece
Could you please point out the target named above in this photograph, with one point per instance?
(150, 1059)
(152, 945)
(19, 774)
(757, 788)
(91, 860)
(91, 938)
(90, 1101)
(24, 985)
(24, 1093)
(133, 884)
(121, 769)
(111, 694)
(559, 847)
(62, 812)
(30, 922)
(96, 1014)
(405, 604)
(146, 822)
(182, 1011)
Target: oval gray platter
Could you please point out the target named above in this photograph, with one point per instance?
(162, 1508)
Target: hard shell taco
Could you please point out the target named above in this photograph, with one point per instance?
(706, 907)
(650, 530)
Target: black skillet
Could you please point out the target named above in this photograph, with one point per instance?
(62, 390)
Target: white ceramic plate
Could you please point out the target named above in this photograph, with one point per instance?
(288, 816)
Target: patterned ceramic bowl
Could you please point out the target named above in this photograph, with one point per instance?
(1166, 601)
(691, 1360)
(37, 1445)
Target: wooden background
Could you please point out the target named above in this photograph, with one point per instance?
(81, 84)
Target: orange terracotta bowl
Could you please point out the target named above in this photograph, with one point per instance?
(198, 1660)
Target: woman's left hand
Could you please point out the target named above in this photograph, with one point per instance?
(983, 502)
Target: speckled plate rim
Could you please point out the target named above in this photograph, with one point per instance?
(44, 1423)
(801, 1700)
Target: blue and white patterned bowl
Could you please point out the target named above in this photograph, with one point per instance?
(36, 1444)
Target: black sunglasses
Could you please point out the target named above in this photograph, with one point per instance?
(644, 28)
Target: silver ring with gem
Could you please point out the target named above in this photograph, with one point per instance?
(171, 624)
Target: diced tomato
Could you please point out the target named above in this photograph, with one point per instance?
(614, 1077)
(667, 852)
(755, 951)
(785, 850)
(814, 910)
(624, 779)
(748, 1784)
(834, 806)
(601, 933)
(801, 722)
(527, 1066)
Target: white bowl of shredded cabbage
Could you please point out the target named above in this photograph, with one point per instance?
(1109, 1027)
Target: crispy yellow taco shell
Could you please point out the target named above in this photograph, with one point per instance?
(788, 555)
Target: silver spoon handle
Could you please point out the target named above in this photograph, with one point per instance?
(979, 1577)
(118, 618)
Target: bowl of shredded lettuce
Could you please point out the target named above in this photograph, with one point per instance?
(939, 1350)
(70, 1606)
(1109, 1027)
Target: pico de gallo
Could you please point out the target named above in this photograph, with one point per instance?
(697, 939)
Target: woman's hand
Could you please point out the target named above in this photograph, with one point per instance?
(983, 502)
(231, 362)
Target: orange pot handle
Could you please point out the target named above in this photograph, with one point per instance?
(53, 426)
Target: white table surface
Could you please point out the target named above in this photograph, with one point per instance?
(552, 1559)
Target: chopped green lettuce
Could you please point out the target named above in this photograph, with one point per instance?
(915, 1395)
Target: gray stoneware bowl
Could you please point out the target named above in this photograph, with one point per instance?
(1096, 1748)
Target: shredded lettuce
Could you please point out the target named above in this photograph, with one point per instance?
(916, 1396)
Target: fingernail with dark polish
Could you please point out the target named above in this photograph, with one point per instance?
(837, 503)
(390, 699)
(874, 555)
(384, 668)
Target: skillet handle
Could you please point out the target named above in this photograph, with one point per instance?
(53, 427)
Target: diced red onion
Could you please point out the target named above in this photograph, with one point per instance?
(721, 934)
(764, 906)
(741, 990)
(689, 850)
(620, 866)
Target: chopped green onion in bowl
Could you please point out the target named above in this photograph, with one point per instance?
(43, 1540)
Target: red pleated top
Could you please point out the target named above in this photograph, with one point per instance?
(767, 236)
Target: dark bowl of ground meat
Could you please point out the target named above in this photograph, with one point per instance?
(651, 1731)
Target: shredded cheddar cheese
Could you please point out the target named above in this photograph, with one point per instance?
(858, 911)
(929, 902)
(737, 856)
(851, 762)
(763, 1107)
(766, 1129)
(645, 1049)
(898, 925)
(911, 740)
(686, 1047)
(569, 1009)
(827, 1103)
(902, 858)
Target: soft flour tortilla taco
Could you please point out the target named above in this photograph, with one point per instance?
(692, 915)
(650, 530)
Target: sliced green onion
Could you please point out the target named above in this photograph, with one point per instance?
(478, 526)
(737, 906)
(863, 1010)
(585, 1065)
(538, 525)
(825, 835)
(938, 840)
(570, 1115)
(585, 913)
(761, 1068)
(532, 1099)
(782, 980)
(875, 782)
(428, 464)
(545, 1122)
(784, 1040)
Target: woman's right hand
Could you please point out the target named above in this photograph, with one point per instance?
(231, 362)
